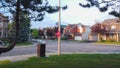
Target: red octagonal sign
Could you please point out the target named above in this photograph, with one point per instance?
(58, 34)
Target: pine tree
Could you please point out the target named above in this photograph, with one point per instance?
(35, 8)
(104, 5)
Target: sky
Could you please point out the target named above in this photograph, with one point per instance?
(74, 14)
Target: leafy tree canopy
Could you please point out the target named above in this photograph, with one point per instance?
(104, 5)
(36, 8)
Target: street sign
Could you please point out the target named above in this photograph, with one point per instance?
(58, 34)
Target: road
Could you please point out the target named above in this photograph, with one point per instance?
(66, 47)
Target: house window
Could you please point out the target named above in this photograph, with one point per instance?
(113, 27)
(111, 36)
(68, 31)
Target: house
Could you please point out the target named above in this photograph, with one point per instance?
(85, 35)
(75, 31)
(3, 25)
(69, 31)
(111, 31)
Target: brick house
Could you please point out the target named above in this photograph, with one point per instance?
(3, 25)
(70, 30)
(112, 31)
(74, 31)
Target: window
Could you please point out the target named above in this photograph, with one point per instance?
(68, 31)
(113, 27)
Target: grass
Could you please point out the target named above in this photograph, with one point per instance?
(24, 44)
(69, 61)
(108, 42)
(4, 62)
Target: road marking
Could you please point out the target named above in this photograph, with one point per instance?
(51, 50)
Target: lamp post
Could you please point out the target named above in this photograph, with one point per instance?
(59, 23)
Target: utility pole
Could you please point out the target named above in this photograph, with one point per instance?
(59, 23)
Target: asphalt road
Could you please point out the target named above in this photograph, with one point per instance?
(66, 47)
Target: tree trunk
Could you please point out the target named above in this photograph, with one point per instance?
(10, 47)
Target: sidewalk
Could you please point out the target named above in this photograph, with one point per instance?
(17, 57)
(21, 57)
(25, 57)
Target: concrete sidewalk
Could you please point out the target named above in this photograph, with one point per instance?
(26, 57)
(21, 57)
(17, 57)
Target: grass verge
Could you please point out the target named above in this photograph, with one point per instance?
(24, 44)
(4, 62)
(69, 61)
(107, 42)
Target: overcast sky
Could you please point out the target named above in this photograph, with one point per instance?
(74, 14)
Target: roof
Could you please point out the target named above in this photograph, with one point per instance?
(71, 25)
(4, 18)
(110, 21)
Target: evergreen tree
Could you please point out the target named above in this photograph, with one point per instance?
(35, 8)
(24, 28)
(104, 5)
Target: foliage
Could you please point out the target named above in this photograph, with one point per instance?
(110, 42)
(104, 5)
(35, 8)
(41, 33)
(50, 33)
(4, 62)
(24, 28)
(98, 28)
(24, 44)
(69, 61)
(35, 33)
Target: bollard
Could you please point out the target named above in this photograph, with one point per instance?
(41, 50)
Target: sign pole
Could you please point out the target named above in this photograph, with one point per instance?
(59, 23)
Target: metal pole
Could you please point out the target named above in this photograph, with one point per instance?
(59, 23)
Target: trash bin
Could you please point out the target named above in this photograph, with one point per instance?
(41, 50)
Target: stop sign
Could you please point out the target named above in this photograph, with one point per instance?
(58, 34)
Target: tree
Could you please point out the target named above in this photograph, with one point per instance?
(24, 28)
(104, 5)
(41, 33)
(35, 33)
(35, 8)
(50, 33)
(98, 28)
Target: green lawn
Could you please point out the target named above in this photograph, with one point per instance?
(107, 42)
(69, 61)
(24, 44)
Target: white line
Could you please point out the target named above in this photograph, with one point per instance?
(51, 50)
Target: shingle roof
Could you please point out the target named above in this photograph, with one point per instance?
(110, 21)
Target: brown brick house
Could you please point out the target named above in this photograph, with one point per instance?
(111, 31)
(3, 25)
(74, 30)
(70, 30)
